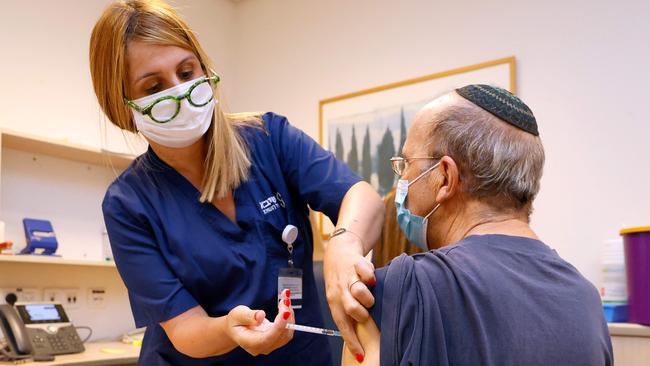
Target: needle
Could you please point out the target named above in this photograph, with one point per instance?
(304, 328)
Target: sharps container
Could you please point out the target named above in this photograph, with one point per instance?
(636, 241)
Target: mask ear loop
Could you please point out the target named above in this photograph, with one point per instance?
(432, 211)
(423, 173)
(420, 176)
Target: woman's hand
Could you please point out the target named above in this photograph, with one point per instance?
(346, 271)
(362, 216)
(256, 334)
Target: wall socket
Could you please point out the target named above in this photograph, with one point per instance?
(69, 297)
(22, 294)
(96, 297)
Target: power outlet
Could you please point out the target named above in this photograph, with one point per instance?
(96, 297)
(68, 297)
(20, 294)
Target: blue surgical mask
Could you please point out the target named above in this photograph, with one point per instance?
(413, 226)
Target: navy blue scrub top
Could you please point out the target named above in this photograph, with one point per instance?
(174, 253)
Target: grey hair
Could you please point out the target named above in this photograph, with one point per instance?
(499, 164)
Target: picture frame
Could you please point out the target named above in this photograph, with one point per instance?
(366, 128)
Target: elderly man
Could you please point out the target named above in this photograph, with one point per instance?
(488, 292)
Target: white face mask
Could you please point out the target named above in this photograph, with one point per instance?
(189, 124)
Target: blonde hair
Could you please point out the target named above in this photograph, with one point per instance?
(227, 160)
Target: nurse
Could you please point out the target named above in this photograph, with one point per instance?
(196, 223)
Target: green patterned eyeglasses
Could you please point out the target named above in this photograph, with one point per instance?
(165, 109)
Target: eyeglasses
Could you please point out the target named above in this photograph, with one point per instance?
(399, 164)
(164, 109)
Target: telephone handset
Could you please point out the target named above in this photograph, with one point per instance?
(14, 330)
(39, 329)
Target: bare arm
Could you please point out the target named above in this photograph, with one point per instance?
(369, 337)
(196, 334)
(362, 215)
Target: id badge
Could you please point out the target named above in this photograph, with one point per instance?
(291, 278)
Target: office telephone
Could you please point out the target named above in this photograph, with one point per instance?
(39, 329)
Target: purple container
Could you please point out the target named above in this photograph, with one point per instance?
(637, 267)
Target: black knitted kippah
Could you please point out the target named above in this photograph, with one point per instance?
(502, 104)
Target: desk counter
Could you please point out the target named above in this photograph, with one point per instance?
(97, 353)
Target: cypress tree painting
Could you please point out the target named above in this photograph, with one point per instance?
(364, 129)
(353, 155)
(366, 142)
(402, 131)
(366, 158)
(385, 151)
(338, 149)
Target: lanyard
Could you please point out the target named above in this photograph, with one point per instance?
(291, 278)
(289, 236)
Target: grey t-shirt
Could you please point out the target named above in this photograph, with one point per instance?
(489, 300)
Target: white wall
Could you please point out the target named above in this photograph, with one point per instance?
(582, 68)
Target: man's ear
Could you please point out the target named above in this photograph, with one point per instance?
(450, 180)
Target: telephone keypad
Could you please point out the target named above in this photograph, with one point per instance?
(65, 340)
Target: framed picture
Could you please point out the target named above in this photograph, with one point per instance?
(366, 128)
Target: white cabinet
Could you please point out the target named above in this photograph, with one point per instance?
(631, 343)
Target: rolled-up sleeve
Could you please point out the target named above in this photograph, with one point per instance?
(313, 172)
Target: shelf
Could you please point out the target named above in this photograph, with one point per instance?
(64, 150)
(628, 330)
(33, 259)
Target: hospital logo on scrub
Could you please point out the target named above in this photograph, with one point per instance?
(272, 203)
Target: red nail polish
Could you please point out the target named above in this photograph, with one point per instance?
(372, 282)
(288, 293)
(359, 357)
(287, 302)
(286, 315)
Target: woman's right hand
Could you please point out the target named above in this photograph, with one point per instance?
(257, 335)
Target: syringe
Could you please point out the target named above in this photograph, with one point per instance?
(304, 328)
